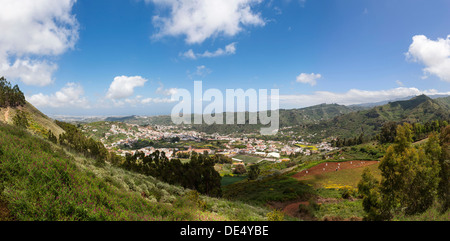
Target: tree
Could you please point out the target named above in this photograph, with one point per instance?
(254, 172)
(10, 96)
(20, 119)
(444, 174)
(369, 189)
(388, 132)
(239, 169)
(52, 137)
(409, 177)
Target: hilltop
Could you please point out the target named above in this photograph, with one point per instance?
(418, 109)
(14, 108)
(39, 122)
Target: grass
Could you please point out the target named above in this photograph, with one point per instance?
(227, 180)
(248, 159)
(431, 214)
(343, 209)
(277, 188)
(42, 181)
(343, 178)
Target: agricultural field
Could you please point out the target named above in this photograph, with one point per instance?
(321, 194)
(310, 147)
(247, 159)
(337, 174)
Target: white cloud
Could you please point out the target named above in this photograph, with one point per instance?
(399, 83)
(200, 71)
(139, 100)
(167, 92)
(123, 86)
(69, 96)
(308, 78)
(189, 54)
(435, 55)
(199, 20)
(33, 31)
(157, 100)
(230, 49)
(353, 96)
(31, 72)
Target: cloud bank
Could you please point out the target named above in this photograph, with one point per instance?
(72, 95)
(353, 96)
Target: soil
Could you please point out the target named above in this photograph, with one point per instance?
(331, 167)
(291, 208)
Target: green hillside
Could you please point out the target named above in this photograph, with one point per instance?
(43, 181)
(14, 109)
(288, 118)
(321, 121)
(417, 109)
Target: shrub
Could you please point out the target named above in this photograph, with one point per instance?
(348, 193)
(239, 169)
(304, 209)
(194, 197)
(275, 215)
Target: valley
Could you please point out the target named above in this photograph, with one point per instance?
(119, 169)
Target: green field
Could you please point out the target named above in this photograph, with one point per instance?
(248, 159)
(314, 148)
(227, 180)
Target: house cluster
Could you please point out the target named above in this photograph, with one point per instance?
(233, 145)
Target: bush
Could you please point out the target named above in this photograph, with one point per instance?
(239, 169)
(194, 197)
(275, 215)
(20, 119)
(348, 193)
(304, 209)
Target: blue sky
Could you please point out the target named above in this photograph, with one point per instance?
(124, 57)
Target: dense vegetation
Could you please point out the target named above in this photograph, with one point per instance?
(10, 96)
(43, 181)
(414, 178)
(291, 117)
(74, 139)
(198, 174)
(420, 109)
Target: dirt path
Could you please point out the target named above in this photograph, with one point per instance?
(7, 114)
(331, 167)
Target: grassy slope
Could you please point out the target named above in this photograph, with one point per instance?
(39, 123)
(41, 181)
(417, 109)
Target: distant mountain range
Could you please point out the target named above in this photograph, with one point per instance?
(370, 105)
(417, 109)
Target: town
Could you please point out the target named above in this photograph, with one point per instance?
(120, 138)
